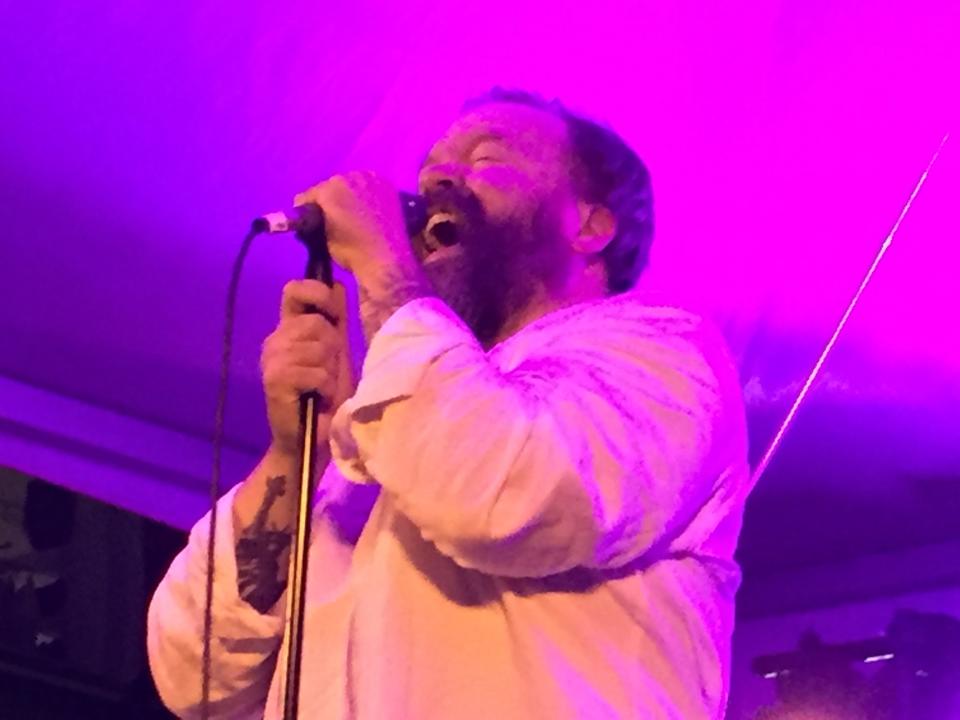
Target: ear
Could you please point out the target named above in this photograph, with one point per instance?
(597, 228)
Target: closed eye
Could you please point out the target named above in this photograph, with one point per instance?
(487, 151)
(487, 157)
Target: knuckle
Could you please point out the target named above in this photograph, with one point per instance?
(271, 376)
(291, 327)
(311, 194)
(316, 288)
(272, 362)
(301, 353)
(269, 348)
(278, 345)
(312, 323)
(322, 379)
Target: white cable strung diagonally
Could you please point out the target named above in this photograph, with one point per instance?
(815, 372)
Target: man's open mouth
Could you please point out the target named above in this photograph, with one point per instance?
(441, 232)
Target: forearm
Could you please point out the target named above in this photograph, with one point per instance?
(244, 641)
(264, 516)
(385, 289)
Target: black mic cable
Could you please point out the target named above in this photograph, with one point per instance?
(217, 442)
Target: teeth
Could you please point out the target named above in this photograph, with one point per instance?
(438, 218)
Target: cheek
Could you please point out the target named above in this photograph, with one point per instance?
(505, 192)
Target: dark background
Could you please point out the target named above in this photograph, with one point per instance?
(104, 564)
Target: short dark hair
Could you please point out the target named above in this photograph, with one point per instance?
(606, 172)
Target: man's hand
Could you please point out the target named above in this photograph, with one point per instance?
(307, 352)
(364, 222)
(367, 236)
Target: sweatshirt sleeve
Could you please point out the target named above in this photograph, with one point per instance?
(590, 452)
(245, 643)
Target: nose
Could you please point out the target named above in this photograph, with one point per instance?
(442, 176)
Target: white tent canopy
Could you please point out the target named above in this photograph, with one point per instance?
(138, 140)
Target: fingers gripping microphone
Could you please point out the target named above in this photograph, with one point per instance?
(309, 218)
(308, 223)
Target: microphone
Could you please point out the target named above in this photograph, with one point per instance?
(308, 218)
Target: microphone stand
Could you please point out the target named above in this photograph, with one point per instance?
(311, 232)
(319, 267)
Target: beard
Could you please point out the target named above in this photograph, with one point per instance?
(500, 265)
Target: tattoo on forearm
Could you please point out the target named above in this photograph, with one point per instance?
(260, 579)
(400, 286)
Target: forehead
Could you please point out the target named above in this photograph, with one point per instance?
(534, 131)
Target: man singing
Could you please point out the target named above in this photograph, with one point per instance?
(533, 493)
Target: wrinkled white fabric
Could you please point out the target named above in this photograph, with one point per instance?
(552, 532)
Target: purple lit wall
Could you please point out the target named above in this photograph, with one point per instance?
(138, 139)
